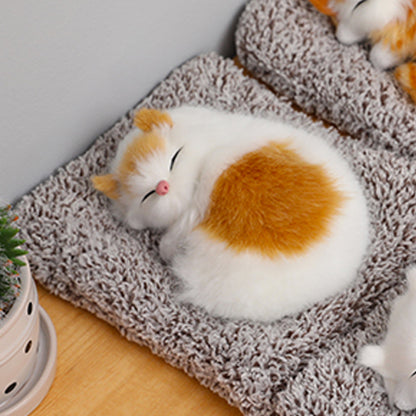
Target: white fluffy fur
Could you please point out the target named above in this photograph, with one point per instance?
(395, 358)
(355, 25)
(215, 277)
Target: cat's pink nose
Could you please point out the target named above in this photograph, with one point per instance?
(162, 187)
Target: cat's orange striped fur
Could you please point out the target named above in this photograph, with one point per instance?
(323, 7)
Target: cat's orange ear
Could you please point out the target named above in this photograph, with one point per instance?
(146, 118)
(107, 184)
(323, 7)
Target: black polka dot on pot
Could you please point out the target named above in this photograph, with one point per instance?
(10, 388)
(30, 308)
(28, 347)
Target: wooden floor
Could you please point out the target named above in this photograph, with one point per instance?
(100, 373)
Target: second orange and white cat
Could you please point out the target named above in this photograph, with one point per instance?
(389, 24)
(261, 219)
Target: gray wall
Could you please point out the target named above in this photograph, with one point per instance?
(70, 69)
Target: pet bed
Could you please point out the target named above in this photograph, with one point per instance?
(290, 46)
(299, 365)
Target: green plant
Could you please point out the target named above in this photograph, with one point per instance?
(10, 263)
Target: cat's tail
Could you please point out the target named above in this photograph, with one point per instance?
(406, 75)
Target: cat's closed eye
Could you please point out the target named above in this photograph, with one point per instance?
(147, 195)
(172, 162)
(359, 4)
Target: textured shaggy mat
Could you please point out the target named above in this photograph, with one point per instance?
(299, 365)
(292, 47)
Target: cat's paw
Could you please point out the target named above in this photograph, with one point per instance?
(382, 57)
(371, 356)
(347, 36)
(167, 248)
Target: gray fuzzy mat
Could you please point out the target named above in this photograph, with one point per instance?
(300, 365)
(292, 47)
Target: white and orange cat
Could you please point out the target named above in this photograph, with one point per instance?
(389, 24)
(261, 219)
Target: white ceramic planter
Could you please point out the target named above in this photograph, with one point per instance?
(27, 352)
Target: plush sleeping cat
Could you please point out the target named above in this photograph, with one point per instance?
(389, 24)
(261, 219)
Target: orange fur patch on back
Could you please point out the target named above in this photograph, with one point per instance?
(272, 202)
(138, 150)
(399, 36)
(146, 119)
(406, 75)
